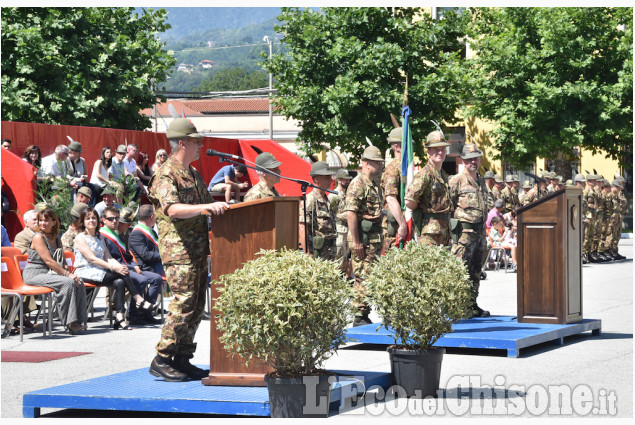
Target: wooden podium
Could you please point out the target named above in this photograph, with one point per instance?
(235, 238)
(549, 259)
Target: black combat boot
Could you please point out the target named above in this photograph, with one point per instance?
(361, 321)
(182, 363)
(585, 258)
(618, 256)
(604, 258)
(162, 368)
(479, 312)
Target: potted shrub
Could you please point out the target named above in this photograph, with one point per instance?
(421, 290)
(289, 311)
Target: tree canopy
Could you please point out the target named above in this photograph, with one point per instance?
(344, 72)
(234, 79)
(82, 66)
(554, 79)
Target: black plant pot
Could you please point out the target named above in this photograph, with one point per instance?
(418, 372)
(288, 396)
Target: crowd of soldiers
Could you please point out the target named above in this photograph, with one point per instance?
(365, 216)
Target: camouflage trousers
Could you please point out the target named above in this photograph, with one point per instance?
(613, 233)
(597, 235)
(341, 251)
(589, 231)
(188, 283)
(439, 239)
(361, 268)
(470, 249)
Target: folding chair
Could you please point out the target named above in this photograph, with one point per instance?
(12, 282)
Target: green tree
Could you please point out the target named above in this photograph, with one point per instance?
(82, 66)
(344, 72)
(234, 79)
(553, 79)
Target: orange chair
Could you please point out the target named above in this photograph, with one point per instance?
(10, 251)
(12, 282)
(21, 262)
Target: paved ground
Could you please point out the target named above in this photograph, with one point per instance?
(588, 371)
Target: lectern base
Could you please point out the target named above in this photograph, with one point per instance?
(235, 379)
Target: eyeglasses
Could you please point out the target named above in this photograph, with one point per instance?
(111, 218)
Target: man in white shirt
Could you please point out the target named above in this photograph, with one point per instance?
(54, 165)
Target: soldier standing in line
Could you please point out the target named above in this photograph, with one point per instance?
(265, 187)
(363, 206)
(552, 180)
(180, 199)
(509, 195)
(622, 207)
(428, 196)
(525, 195)
(589, 197)
(499, 185)
(599, 218)
(319, 215)
(394, 223)
(468, 196)
(489, 183)
(580, 181)
(607, 227)
(338, 205)
(615, 226)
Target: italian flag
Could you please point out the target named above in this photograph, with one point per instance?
(407, 168)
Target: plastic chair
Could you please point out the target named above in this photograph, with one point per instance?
(12, 282)
(21, 261)
(10, 251)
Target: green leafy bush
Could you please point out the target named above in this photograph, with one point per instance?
(285, 309)
(422, 289)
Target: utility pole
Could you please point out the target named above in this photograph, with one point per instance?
(270, 42)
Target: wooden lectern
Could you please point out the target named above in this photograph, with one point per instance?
(550, 259)
(235, 238)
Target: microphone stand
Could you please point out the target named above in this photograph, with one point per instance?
(303, 187)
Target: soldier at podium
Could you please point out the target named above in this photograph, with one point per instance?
(320, 217)
(264, 188)
(469, 198)
(180, 199)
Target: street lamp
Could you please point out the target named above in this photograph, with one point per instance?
(270, 42)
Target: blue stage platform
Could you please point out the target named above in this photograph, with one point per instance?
(137, 390)
(494, 332)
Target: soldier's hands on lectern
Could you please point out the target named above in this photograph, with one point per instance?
(215, 208)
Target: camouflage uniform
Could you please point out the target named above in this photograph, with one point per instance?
(613, 222)
(508, 200)
(607, 226)
(184, 247)
(430, 189)
(321, 222)
(364, 199)
(622, 207)
(496, 194)
(468, 197)
(589, 199)
(390, 186)
(599, 218)
(68, 238)
(338, 205)
(260, 191)
(490, 198)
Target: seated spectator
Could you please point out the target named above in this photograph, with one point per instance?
(160, 157)
(78, 172)
(54, 165)
(502, 236)
(144, 242)
(114, 233)
(33, 155)
(68, 238)
(108, 200)
(495, 212)
(94, 264)
(6, 143)
(22, 240)
(143, 170)
(46, 267)
(5, 237)
(99, 177)
(130, 168)
(225, 180)
(84, 195)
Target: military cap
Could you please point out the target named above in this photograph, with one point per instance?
(372, 153)
(342, 173)
(509, 178)
(85, 190)
(606, 182)
(591, 177)
(126, 215)
(75, 146)
(108, 191)
(121, 149)
(436, 139)
(181, 128)
(515, 177)
(489, 175)
(560, 178)
(617, 182)
(527, 184)
(395, 135)
(470, 150)
(568, 183)
(77, 209)
(267, 160)
(498, 179)
(579, 178)
(40, 206)
(321, 168)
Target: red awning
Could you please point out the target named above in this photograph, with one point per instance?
(18, 183)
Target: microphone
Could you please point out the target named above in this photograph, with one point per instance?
(212, 152)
